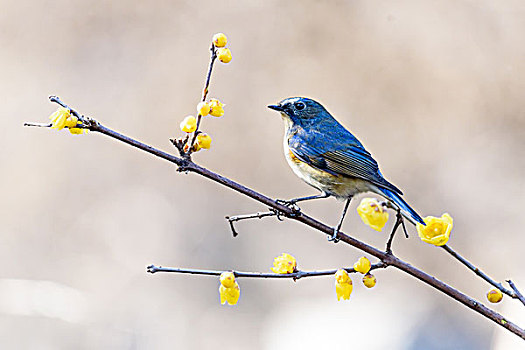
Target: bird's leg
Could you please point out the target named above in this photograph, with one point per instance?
(399, 221)
(292, 202)
(334, 238)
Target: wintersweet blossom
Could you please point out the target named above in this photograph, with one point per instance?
(343, 285)
(284, 264)
(229, 290)
(362, 265)
(369, 280)
(437, 230)
(372, 213)
(220, 40)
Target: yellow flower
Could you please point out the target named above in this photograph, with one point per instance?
(227, 279)
(219, 40)
(203, 141)
(362, 265)
(230, 295)
(494, 295)
(284, 264)
(224, 55)
(216, 108)
(343, 285)
(189, 124)
(203, 108)
(78, 131)
(58, 119)
(71, 122)
(369, 280)
(437, 230)
(372, 213)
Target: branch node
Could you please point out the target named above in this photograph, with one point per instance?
(516, 291)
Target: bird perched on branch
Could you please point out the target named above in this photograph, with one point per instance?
(328, 157)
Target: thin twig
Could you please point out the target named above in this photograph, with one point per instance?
(388, 259)
(518, 293)
(478, 272)
(296, 275)
(258, 215)
(39, 125)
(213, 57)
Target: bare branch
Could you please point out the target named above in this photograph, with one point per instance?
(213, 57)
(478, 272)
(295, 276)
(518, 293)
(258, 215)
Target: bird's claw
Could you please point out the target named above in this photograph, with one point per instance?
(296, 211)
(333, 237)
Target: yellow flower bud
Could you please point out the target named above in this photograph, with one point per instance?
(59, 117)
(494, 295)
(284, 264)
(369, 280)
(203, 141)
(216, 108)
(227, 279)
(437, 231)
(343, 285)
(203, 109)
(71, 122)
(78, 131)
(362, 265)
(219, 40)
(224, 55)
(230, 295)
(372, 213)
(341, 276)
(189, 124)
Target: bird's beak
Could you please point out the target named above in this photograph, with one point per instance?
(278, 108)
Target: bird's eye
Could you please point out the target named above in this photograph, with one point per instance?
(299, 105)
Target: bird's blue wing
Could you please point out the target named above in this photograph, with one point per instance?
(345, 158)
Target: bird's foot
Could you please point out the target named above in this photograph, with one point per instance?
(399, 222)
(292, 204)
(333, 237)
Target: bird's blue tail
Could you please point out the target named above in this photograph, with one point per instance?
(406, 210)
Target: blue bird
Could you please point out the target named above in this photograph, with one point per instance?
(329, 158)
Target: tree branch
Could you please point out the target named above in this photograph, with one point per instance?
(515, 289)
(387, 258)
(295, 276)
(480, 273)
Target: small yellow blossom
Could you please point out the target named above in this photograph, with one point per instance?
(369, 280)
(362, 265)
(284, 264)
(437, 230)
(372, 213)
(203, 109)
(189, 124)
(230, 295)
(78, 131)
(71, 122)
(216, 108)
(219, 40)
(494, 295)
(203, 141)
(343, 285)
(58, 119)
(224, 55)
(227, 279)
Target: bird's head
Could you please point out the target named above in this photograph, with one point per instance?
(301, 110)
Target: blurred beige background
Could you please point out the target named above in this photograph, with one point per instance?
(434, 89)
